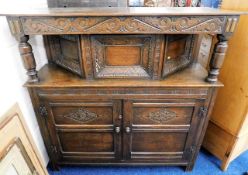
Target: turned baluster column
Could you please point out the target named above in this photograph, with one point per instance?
(217, 58)
(27, 55)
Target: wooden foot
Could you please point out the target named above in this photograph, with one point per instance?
(27, 55)
(53, 166)
(189, 168)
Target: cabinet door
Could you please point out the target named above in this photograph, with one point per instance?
(160, 130)
(84, 130)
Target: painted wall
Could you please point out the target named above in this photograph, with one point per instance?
(13, 75)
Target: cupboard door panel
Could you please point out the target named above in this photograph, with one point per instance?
(160, 129)
(151, 142)
(86, 142)
(84, 129)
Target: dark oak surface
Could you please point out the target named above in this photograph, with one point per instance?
(53, 76)
(116, 11)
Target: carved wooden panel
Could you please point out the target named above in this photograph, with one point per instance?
(176, 115)
(65, 51)
(123, 25)
(160, 115)
(178, 53)
(129, 56)
(83, 113)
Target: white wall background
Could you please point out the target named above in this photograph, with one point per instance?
(13, 75)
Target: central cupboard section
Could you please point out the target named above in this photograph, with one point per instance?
(135, 130)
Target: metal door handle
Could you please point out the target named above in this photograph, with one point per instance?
(120, 116)
(117, 129)
(128, 129)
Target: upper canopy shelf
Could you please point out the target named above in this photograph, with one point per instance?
(116, 11)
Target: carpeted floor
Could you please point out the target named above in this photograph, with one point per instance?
(206, 165)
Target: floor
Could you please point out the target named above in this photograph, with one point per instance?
(206, 164)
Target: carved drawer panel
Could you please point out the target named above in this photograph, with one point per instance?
(162, 112)
(82, 113)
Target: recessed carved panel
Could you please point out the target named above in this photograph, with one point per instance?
(128, 25)
(81, 115)
(129, 56)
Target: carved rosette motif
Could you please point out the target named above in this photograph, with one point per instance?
(81, 115)
(100, 25)
(162, 116)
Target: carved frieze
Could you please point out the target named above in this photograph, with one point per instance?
(81, 115)
(137, 24)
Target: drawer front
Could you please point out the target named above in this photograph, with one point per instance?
(160, 129)
(84, 129)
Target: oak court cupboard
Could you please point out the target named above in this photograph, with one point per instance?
(123, 85)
